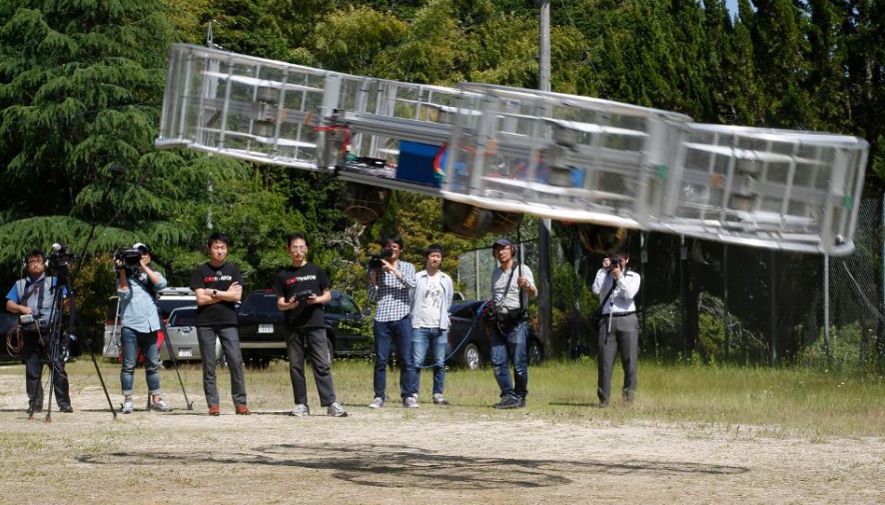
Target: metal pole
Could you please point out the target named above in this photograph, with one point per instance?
(772, 291)
(545, 298)
(476, 275)
(643, 260)
(725, 299)
(826, 287)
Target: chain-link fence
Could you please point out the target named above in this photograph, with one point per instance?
(708, 301)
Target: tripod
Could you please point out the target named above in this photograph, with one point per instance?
(58, 338)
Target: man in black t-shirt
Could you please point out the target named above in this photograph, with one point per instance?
(301, 290)
(218, 286)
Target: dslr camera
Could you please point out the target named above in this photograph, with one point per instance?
(375, 259)
(615, 260)
(131, 259)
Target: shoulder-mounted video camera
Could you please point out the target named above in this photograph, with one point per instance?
(375, 259)
(131, 259)
(60, 258)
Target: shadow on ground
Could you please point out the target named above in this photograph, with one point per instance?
(403, 466)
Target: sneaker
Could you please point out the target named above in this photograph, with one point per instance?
(214, 411)
(507, 402)
(439, 400)
(160, 406)
(410, 402)
(67, 409)
(243, 410)
(336, 410)
(377, 403)
(127, 407)
(521, 402)
(300, 410)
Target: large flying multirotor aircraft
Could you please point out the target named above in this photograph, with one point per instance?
(494, 153)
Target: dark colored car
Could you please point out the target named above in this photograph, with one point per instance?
(263, 335)
(469, 339)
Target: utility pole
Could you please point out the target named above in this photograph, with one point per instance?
(545, 299)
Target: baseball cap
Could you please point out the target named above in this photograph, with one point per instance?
(502, 242)
(141, 247)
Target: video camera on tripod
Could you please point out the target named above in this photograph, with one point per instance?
(130, 259)
(60, 259)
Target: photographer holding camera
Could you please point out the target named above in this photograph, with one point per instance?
(32, 297)
(390, 284)
(301, 290)
(137, 285)
(618, 324)
(508, 311)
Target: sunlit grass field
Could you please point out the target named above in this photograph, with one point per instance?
(775, 402)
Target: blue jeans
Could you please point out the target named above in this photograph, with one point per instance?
(422, 338)
(506, 348)
(390, 334)
(132, 341)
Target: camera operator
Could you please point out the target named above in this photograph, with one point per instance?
(512, 284)
(390, 284)
(33, 297)
(301, 291)
(218, 285)
(618, 324)
(137, 284)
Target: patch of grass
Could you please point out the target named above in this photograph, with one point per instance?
(766, 402)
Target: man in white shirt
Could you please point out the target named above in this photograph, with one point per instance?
(618, 324)
(430, 323)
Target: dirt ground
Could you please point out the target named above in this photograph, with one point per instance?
(432, 455)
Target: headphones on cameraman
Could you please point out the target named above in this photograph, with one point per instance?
(31, 254)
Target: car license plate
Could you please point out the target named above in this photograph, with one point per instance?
(185, 352)
(265, 328)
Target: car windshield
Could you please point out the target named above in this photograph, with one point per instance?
(183, 317)
(168, 305)
(259, 303)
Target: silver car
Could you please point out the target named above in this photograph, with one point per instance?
(182, 334)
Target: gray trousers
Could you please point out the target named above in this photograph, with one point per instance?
(315, 343)
(622, 336)
(230, 344)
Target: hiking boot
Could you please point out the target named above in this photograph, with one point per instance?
(507, 402)
(160, 405)
(243, 410)
(439, 400)
(336, 410)
(127, 407)
(411, 402)
(377, 403)
(300, 410)
(214, 411)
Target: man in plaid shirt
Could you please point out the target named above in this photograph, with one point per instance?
(390, 287)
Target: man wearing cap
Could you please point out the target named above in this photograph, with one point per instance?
(139, 325)
(512, 284)
(618, 326)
